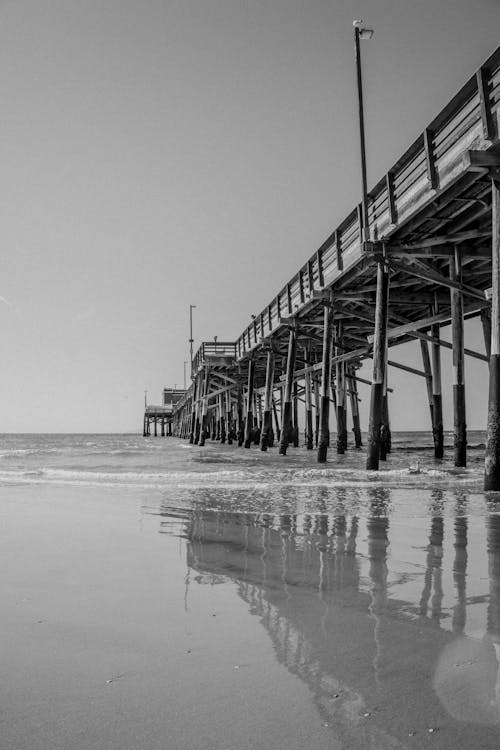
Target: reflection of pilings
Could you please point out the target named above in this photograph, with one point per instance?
(378, 541)
(493, 546)
(433, 571)
(459, 574)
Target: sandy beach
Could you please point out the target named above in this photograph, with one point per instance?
(362, 617)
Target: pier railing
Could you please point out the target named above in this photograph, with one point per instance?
(213, 350)
(433, 162)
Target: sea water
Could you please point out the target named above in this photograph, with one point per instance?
(222, 597)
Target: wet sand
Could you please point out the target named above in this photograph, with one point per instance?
(129, 622)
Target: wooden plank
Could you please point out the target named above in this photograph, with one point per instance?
(485, 104)
(478, 161)
(391, 204)
(338, 248)
(432, 176)
(406, 368)
(319, 259)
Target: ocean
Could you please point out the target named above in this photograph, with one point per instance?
(162, 595)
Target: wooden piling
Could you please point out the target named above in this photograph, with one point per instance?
(249, 414)
(204, 404)
(239, 414)
(286, 409)
(492, 455)
(341, 395)
(308, 407)
(193, 411)
(324, 432)
(222, 419)
(316, 410)
(295, 429)
(426, 362)
(276, 420)
(457, 339)
(268, 397)
(379, 365)
(437, 400)
(353, 396)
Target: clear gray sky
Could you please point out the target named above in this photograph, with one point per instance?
(157, 153)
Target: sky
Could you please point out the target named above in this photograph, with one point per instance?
(161, 153)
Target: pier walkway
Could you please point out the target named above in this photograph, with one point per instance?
(429, 256)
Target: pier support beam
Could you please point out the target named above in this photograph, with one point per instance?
(492, 456)
(286, 409)
(385, 427)
(276, 421)
(324, 408)
(379, 364)
(353, 396)
(341, 396)
(222, 419)
(240, 426)
(308, 405)
(295, 432)
(457, 339)
(193, 411)
(268, 397)
(204, 405)
(249, 417)
(437, 399)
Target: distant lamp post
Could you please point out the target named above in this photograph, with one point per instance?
(145, 399)
(185, 363)
(360, 32)
(191, 308)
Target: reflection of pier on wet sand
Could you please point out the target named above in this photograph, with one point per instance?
(384, 670)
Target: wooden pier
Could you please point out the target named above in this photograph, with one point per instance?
(433, 259)
(159, 420)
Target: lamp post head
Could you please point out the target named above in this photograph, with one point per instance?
(364, 33)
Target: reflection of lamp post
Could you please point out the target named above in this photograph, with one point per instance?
(191, 335)
(362, 33)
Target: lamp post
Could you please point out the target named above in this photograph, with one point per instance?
(191, 307)
(185, 363)
(362, 33)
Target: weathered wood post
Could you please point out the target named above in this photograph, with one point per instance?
(486, 324)
(276, 420)
(341, 394)
(249, 415)
(162, 426)
(222, 419)
(268, 397)
(241, 421)
(385, 427)
(229, 418)
(286, 409)
(156, 425)
(457, 340)
(193, 411)
(316, 410)
(437, 399)
(204, 405)
(308, 406)
(295, 433)
(353, 395)
(324, 412)
(144, 427)
(426, 361)
(379, 364)
(492, 456)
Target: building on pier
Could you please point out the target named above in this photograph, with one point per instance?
(162, 417)
(433, 260)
